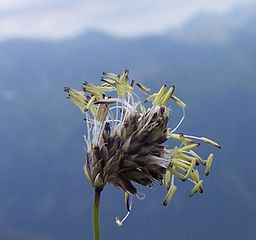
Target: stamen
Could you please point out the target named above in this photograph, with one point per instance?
(129, 208)
(204, 139)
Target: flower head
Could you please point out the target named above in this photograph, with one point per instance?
(127, 141)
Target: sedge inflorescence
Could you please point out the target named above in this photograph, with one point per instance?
(126, 140)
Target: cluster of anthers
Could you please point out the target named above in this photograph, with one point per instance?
(125, 139)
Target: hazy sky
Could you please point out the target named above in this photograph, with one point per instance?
(63, 18)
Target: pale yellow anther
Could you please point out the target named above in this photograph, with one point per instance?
(195, 176)
(169, 194)
(191, 167)
(111, 75)
(96, 91)
(178, 101)
(189, 147)
(104, 88)
(77, 97)
(177, 174)
(180, 137)
(119, 82)
(209, 141)
(159, 95)
(92, 107)
(183, 139)
(197, 157)
(109, 82)
(167, 180)
(167, 96)
(197, 188)
(180, 164)
(123, 88)
(151, 97)
(102, 112)
(208, 164)
(182, 169)
(143, 88)
(184, 157)
(106, 100)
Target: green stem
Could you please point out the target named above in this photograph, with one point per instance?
(96, 206)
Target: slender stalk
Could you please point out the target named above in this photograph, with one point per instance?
(96, 206)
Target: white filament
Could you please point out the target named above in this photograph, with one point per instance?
(180, 122)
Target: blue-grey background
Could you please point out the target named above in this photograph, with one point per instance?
(43, 193)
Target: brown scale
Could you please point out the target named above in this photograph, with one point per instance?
(128, 155)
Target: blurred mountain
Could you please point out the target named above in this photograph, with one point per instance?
(218, 28)
(43, 190)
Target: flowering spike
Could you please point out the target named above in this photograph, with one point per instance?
(126, 141)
